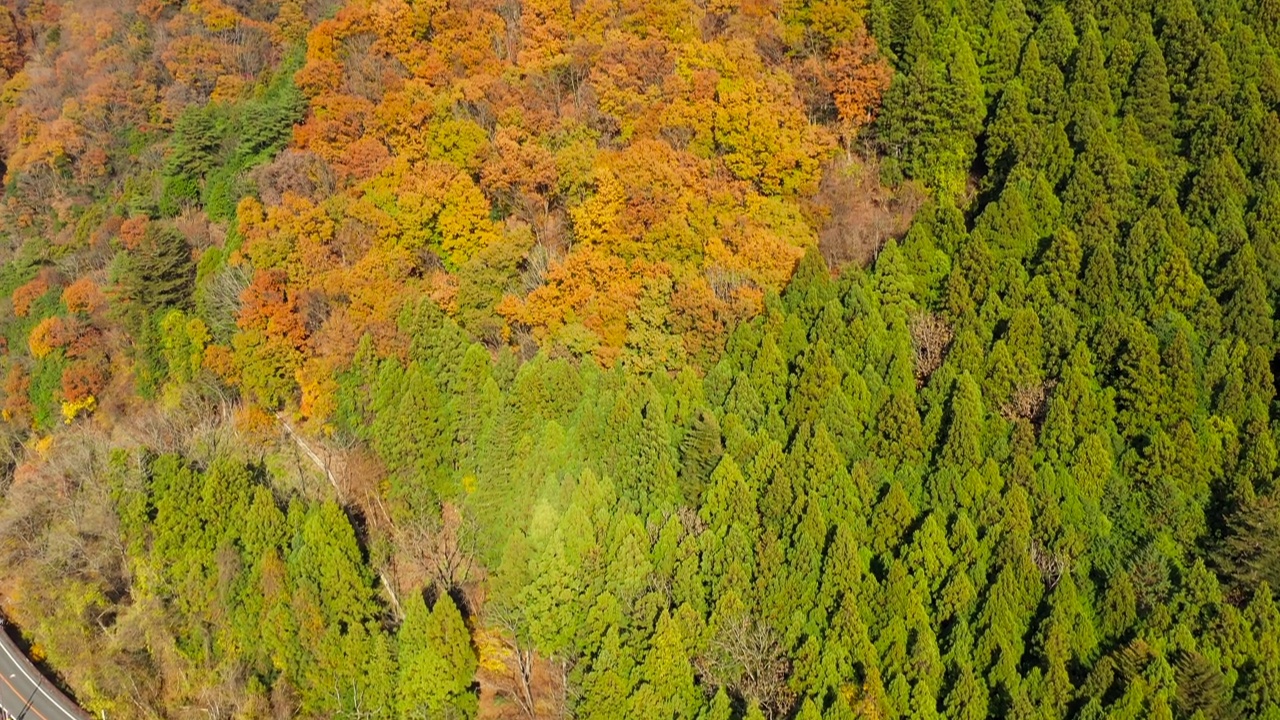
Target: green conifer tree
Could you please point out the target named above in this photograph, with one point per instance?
(1246, 304)
(437, 663)
(666, 688)
(1149, 101)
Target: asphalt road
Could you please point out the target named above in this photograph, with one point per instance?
(25, 693)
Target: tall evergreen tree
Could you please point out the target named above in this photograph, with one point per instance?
(1247, 307)
(437, 662)
(160, 272)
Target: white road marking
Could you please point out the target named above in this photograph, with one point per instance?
(39, 685)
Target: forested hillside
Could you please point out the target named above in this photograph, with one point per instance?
(688, 359)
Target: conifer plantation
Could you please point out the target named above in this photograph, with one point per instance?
(643, 359)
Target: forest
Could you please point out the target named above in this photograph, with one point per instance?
(643, 359)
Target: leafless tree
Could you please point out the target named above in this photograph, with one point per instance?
(1028, 402)
(254, 50)
(1052, 566)
(223, 699)
(27, 515)
(861, 214)
(747, 657)
(358, 707)
(353, 239)
(725, 282)
(300, 172)
(511, 11)
(931, 337)
(284, 699)
(445, 546)
(368, 70)
(194, 225)
(222, 297)
(517, 684)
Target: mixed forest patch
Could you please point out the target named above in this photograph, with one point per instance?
(706, 359)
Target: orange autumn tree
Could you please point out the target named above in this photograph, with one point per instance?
(17, 399)
(28, 292)
(118, 73)
(48, 335)
(857, 78)
(11, 45)
(605, 177)
(270, 346)
(81, 383)
(430, 206)
(295, 237)
(583, 306)
(84, 296)
(762, 136)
